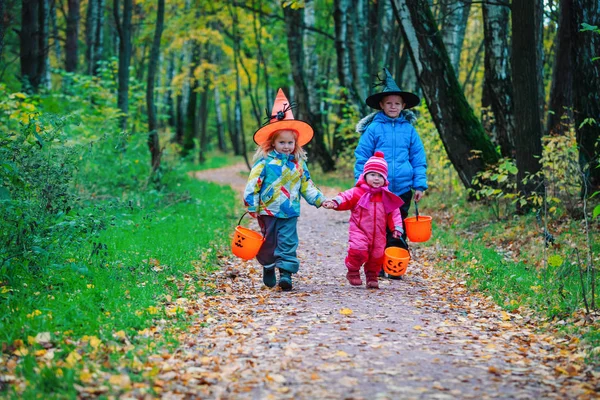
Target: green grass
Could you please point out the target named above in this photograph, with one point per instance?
(508, 260)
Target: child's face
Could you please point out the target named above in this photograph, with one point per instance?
(284, 142)
(392, 105)
(374, 179)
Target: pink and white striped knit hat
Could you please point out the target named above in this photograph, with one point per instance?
(376, 164)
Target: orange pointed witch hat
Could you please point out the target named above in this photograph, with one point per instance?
(282, 118)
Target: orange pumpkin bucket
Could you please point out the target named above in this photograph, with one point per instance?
(246, 243)
(396, 261)
(418, 229)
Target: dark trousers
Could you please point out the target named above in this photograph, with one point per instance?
(390, 241)
(281, 242)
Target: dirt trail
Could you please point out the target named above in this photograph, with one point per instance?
(424, 337)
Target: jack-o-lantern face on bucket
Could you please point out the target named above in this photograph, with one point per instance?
(238, 240)
(246, 243)
(395, 267)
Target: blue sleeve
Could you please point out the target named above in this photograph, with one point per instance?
(364, 150)
(418, 160)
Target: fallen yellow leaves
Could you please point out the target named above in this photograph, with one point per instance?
(346, 311)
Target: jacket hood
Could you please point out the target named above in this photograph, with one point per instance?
(362, 125)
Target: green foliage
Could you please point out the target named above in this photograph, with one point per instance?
(560, 172)
(496, 186)
(39, 213)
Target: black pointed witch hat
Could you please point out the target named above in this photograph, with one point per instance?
(390, 87)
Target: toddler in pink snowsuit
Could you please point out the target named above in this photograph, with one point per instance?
(373, 208)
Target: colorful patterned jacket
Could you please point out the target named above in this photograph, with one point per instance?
(275, 185)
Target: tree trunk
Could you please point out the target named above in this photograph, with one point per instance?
(71, 43)
(219, 118)
(124, 31)
(383, 37)
(99, 42)
(561, 91)
(525, 67)
(454, 25)
(203, 118)
(170, 107)
(153, 140)
(307, 107)
(91, 25)
(497, 83)
(358, 34)
(586, 89)
(190, 132)
(2, 27)
(343, 44)
(184, 98)
(33, 39)
(55, 33)
(45, 46)
(461, 132)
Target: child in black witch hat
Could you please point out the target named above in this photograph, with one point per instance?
(390, 131)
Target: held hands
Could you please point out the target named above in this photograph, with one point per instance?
(329, 204)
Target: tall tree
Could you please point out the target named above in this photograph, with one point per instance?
(2, 26)
(344, 42)
(460, 130)
(586, 87)
(526, 81)
(33, 39)
(153, 140)
(455, 14)
(124, 32)
(94, 35)
(219, 119)
(497, 91)
(72, 39)
(561, 91)
(308, 109)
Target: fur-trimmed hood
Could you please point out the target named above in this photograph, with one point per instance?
(361, 126)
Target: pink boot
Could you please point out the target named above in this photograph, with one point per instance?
(354, 278)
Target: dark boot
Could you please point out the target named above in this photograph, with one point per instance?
(285, 280)
(269, 278)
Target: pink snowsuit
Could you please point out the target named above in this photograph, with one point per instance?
(368, 220)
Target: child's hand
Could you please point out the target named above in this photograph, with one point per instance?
(329, 204)
(397, 234)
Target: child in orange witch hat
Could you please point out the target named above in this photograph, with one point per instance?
(272, 195)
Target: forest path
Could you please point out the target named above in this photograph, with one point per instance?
(424, 337)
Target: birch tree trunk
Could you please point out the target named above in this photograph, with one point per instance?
(384, 34)
(586, 89)
(71, 43)
(153, 140)
(497, 82)
(461, 132)
(525, 67)
(306, 106)
(358, 48)
(344, 42)
(454, 25)
(561, 91)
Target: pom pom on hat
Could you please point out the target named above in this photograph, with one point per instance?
(376, 164)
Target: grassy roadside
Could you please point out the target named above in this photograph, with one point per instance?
(101, 307)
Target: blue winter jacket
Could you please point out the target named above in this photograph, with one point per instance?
(401, 146)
